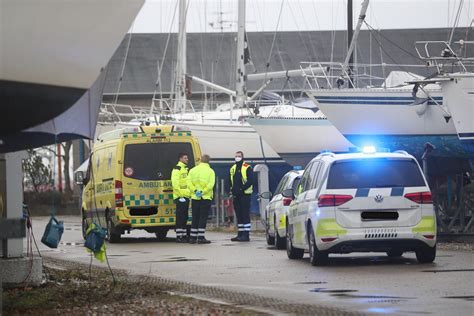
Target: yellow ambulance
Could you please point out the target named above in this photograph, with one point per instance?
(128, 181)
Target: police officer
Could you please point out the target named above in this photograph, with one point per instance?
(181, 195)
(201, 180)
(241, 178)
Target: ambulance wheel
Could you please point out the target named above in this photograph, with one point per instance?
(280, 243)
(426, 254)
(293, 253)
(394, 253)
(270, 239)
(316, 257)
(84, 225)
(161, 234)
(112, 236)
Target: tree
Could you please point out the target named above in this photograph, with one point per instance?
(66, 158)
(37, 174)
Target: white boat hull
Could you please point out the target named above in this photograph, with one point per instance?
(298, 140)
(221, 141)
(387, 118)
(52, 51)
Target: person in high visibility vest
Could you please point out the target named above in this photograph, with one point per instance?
(181, 196)
(241, 179)
(201, 180)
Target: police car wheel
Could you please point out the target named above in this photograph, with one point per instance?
(316, 257)
(426, 254)
(280, 243)
(292, 253)
(394, 253)
(112, 236)
(270, 239)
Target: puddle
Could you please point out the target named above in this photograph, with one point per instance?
(469, 298)
(449, 270)
(323, 290)
(174, 260)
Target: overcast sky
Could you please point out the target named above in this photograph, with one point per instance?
(262, 15)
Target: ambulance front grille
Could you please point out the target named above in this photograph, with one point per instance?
(381, 233)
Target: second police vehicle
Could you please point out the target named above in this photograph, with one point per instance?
(361, 202)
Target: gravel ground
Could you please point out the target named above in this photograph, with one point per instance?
(73, 289)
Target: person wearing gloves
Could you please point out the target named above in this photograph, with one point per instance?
(181, 195)
(201, 180)
(240, 180)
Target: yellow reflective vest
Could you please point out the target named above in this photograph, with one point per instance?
(179, 180)
(243, 171)
(202, 178)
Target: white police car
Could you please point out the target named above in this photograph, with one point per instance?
(361, 202)
(277, 209)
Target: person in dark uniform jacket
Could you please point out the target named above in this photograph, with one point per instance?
(240, 181)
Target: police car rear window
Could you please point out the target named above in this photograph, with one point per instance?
(154, 161)
(374, 173)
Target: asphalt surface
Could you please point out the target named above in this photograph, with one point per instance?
(360, 283)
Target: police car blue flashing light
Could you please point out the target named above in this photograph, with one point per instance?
(369, 150)
(297, 168)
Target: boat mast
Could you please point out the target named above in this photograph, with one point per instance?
(352, 38)
(350, 31)
(180, 96)
(241, 79)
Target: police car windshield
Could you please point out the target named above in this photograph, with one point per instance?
(154, 161)
(374, 173)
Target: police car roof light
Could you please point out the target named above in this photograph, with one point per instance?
(297, 168)
(369, 150)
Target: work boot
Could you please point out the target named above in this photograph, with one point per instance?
(181, 240)
(192, 240)
(245, 236)
(203, 240)
(237, 238)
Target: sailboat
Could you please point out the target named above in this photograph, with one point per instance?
(222, 132)
(396, 115)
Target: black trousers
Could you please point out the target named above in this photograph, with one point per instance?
(242, 211)
(200, 210)
(181, 217)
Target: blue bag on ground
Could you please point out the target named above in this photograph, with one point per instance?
(95, 236)
(53, 232)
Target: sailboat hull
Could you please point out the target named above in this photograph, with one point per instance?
(389, 118)
(299, 139)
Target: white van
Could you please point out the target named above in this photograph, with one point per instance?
(361, 202)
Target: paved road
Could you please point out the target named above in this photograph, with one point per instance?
(361, 282)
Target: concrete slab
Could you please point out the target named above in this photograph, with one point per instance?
(18, 271)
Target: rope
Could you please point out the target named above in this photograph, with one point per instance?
(100, 224)
(123, 65)
(391, 42)
(456, 22)
(159, 67)
(267, 65)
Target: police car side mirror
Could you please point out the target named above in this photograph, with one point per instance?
(266, 195)
(79, 178)
(288, 193)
